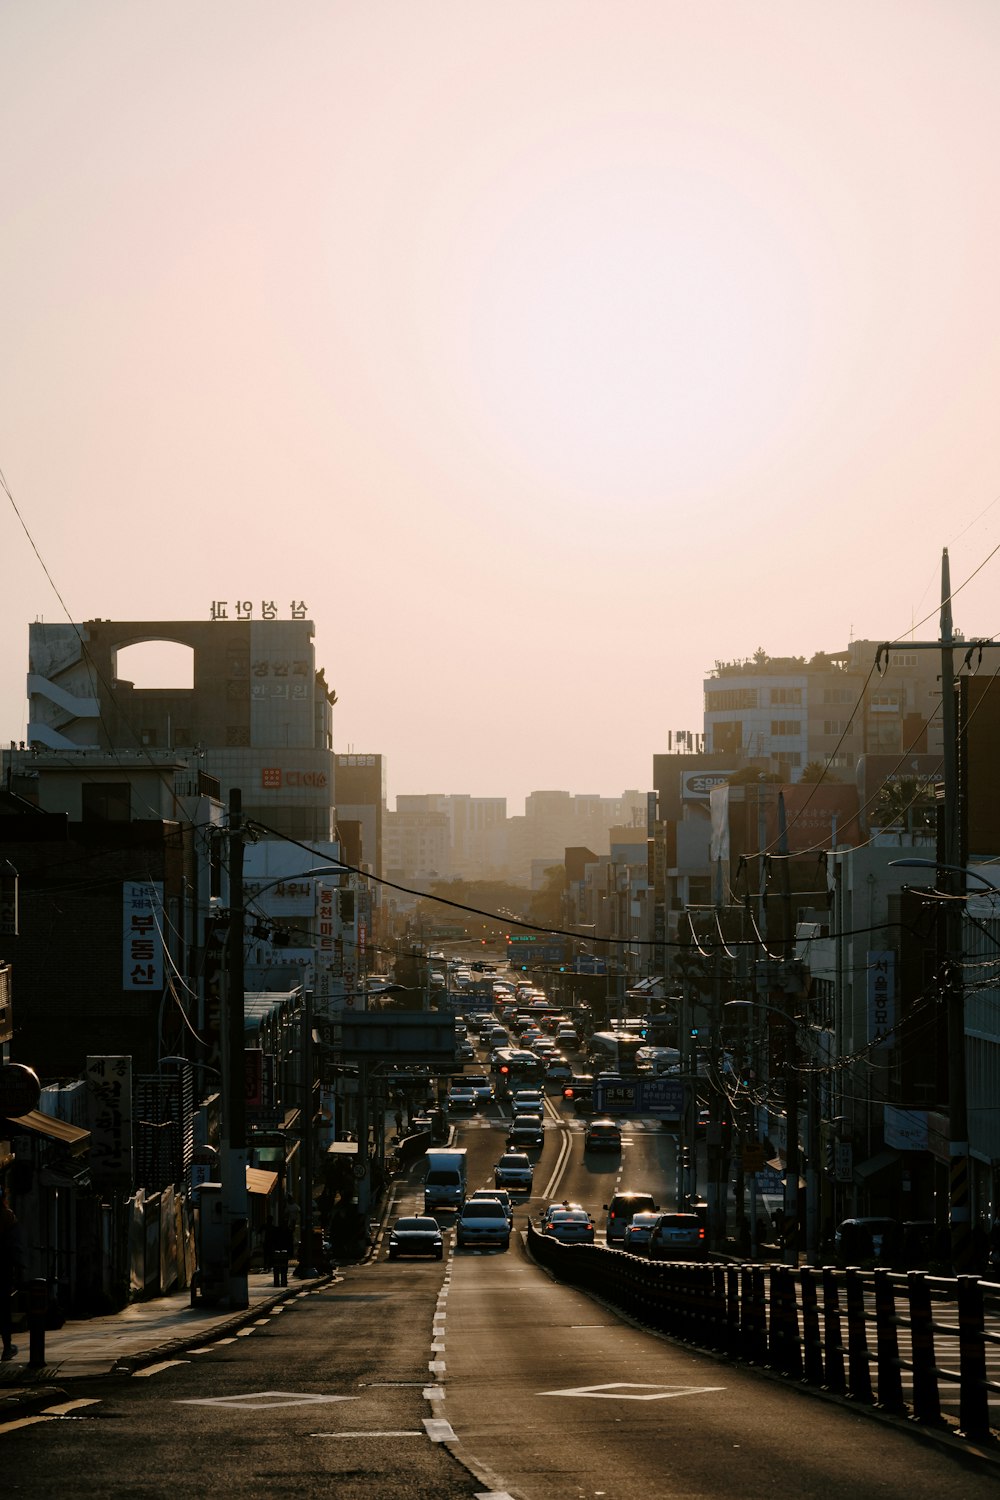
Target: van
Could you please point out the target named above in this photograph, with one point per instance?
(620, 1212)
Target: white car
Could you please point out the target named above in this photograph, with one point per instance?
(501, 1195)
(527, 1102)
(483, 1221)
(514, 1170)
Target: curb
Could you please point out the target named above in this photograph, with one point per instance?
(26, 1398)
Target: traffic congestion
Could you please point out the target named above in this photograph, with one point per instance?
(522, 1133)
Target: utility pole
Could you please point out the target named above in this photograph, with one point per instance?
(950, 879)
(306, 1267)
(234, 1114)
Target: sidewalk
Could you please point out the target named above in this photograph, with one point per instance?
(140, 1334)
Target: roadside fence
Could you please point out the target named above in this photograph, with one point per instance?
(920, 1346)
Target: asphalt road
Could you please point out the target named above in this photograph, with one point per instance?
(476, 1377)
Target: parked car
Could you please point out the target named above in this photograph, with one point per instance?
(483, 1221)
(868, 1239)
(677, 1237)
(416, 1235)
(514, 1171)
(602, 1135)
(622, 1210)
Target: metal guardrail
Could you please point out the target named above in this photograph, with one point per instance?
(926, 1347)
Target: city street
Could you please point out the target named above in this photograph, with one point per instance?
(481, 1376)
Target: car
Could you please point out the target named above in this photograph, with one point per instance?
(460, 1097)
(480, 1083)
(464, 1050)
(483, 1221)
(677, 1237)
(867, 1239)
(514, 1170)
(622, 1210)
(570, 1226)
(501, 1195)
(415, 1235)
(578, 1090)
(602, 1135)
(523, 1136)
(566, 1037)
(558, 1070)
(527, 1102)
(637, 1233)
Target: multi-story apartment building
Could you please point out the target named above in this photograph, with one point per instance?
(870, 699)
(417, 843)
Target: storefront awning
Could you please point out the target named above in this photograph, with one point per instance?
(35, 1123)
(875, 1164)
(262, 1184)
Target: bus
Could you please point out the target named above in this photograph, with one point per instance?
(516, 1068)
(614, 1052)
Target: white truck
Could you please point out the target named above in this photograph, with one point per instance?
(445, 1179)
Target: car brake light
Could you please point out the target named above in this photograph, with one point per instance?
(701, 1234)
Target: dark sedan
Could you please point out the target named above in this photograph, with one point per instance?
(415, 1236)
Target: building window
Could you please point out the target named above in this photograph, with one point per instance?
(786, 695)
(106, 802)
(785, 726)
(835, 726)
(904, 659)
(837, 695)
(725, 700)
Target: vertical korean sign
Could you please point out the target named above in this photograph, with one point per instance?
(142, 935)
(881, 997)
(109, 1098)
(325, 937)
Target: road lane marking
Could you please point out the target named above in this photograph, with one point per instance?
(438, 1430)
(260, 1400)
(165, 1364)
(433, 1393)
(389, 1433)
(437, 1367)
(22, 1422)
(65, 1407)
(623, 1390)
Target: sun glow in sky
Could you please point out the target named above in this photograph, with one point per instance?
(548, 352)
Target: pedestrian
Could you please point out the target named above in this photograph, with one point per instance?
(398, 1117)
(280, 1245)
(10, 1274)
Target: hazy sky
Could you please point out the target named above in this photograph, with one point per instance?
(548, 350)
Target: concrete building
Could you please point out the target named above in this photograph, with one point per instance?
(254, 709)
